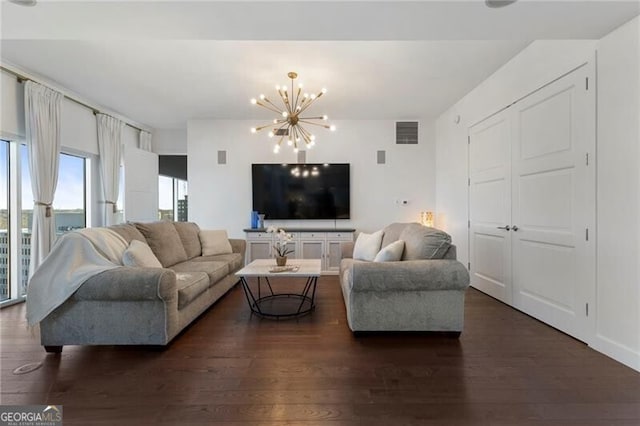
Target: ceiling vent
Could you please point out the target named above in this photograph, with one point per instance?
(406, 132)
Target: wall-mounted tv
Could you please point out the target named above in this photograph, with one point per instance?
(301, 191)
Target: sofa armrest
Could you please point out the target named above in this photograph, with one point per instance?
(346, 249)
(409, 275)
(238, 245)
(127, 283)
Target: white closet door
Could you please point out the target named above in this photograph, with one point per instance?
(490, 206)
(141, 185)
(553, 193)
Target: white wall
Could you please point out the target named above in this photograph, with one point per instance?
(220, 195)
(618, 276)
(141, 189)
(617, 331)
(170, 141)
(12, 104)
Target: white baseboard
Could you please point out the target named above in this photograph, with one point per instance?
(620, 353)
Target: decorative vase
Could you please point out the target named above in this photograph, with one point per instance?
(281, 260)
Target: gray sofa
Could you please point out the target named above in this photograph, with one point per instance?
(145, 306)
(417, 293)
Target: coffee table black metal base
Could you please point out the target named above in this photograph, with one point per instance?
(281, 305)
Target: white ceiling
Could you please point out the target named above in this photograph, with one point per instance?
(162, 63)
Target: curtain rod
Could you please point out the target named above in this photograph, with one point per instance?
(22, 78)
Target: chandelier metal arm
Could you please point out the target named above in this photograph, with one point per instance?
(305, 134)
(315, 124)
(276, 107)
(308, 104)
(268, 107)
(285, 100)
(297, 97)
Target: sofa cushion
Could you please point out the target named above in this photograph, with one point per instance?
(391, 253)
(129, 232)
(190, 285)
(215, 270)
(367, 246)
(165, 242)
(423, 242)
(215, 242)
(140, 254)
(188, 232)
(234, 260)
(392, 233)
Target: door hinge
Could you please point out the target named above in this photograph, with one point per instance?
(468, 224)
(587, 158)
(586, 83)
(469, 182)
(468, 140)
(586, 309)
(469, 266)
(586, 234)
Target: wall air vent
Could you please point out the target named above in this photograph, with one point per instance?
(406, 132)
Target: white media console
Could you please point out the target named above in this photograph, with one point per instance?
(316, 243)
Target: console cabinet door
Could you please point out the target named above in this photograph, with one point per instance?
(258, 250)
(334, 253)
(312, 249)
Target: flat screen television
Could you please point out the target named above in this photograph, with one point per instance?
(301, 191)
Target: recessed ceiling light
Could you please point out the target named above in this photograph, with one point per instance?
(494, 4)
(24, 2)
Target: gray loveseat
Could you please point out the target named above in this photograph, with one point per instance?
(145, 306)
(417, 293)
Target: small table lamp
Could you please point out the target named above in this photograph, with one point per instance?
(426, 219)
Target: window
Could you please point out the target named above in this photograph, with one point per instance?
(16, 201)
(5, 292)
(26, 218)
(69, 202)
(119, 217)
(172, 199)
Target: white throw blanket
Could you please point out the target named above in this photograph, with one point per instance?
(76, 257)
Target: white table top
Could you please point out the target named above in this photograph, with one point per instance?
(260, 268)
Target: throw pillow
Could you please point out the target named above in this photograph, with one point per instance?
(390, 253)
(164, 240)
(215, 242)
(423, 242)
(367, 246)
(140, 254)
(188, 232)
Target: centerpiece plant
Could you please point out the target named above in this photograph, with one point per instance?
(280, 245)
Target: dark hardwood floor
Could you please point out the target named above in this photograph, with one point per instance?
(230, 367)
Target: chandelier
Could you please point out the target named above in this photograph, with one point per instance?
(289, 124)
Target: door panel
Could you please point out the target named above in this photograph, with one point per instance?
(334, 255)
(544, 127)
(550, 203)
(546, 200)
(490, 206)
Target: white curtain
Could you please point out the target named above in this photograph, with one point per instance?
(42, 121)
(110, 148)
(145, 141)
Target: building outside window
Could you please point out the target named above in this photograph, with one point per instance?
(173, 199)
(5, 242)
